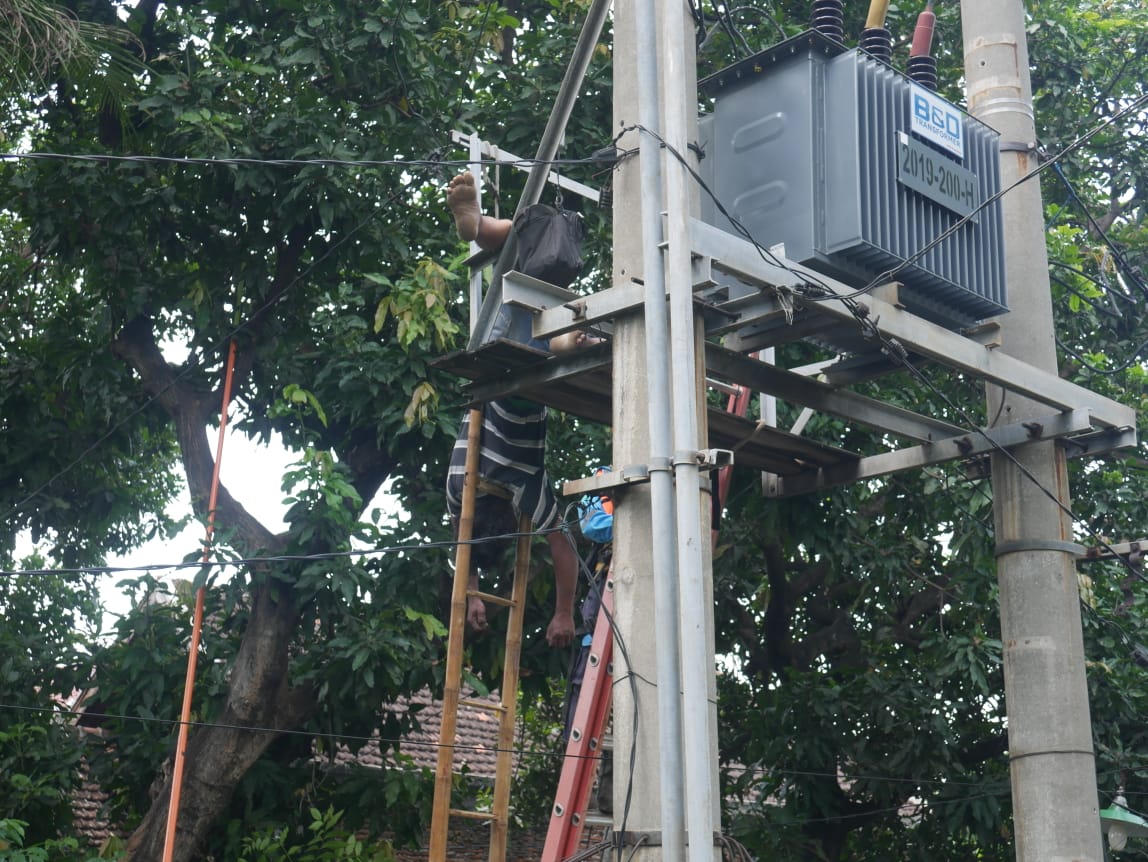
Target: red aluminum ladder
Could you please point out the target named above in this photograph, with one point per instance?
(584, 747)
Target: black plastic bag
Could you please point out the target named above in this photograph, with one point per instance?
(549, 244)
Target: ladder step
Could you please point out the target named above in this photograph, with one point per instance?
(473, 815)
(491, 598)
(482, 704)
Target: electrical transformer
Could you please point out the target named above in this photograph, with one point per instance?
(856, 169)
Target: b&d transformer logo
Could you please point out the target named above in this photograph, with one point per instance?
(936, 120)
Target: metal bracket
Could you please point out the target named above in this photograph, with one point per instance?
(1018, 546)
(634, 474)
(1018, 146)
(1134, 551)
(705, 459)
(608, 481)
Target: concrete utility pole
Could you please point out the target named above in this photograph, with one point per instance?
(647, 560)
(1053, 769)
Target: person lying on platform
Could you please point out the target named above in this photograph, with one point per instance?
(513, 449)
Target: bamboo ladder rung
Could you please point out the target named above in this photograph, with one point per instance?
(474, 815)
(482, 704)
(492, 598)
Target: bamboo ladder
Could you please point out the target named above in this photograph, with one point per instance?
(505, 709)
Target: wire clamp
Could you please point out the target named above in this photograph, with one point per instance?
(715, 459)
(1018, 146)
(1020, 546)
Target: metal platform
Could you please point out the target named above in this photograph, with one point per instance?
(749, 301)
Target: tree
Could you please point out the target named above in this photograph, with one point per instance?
(41, 656)
(861, 699)
(337, 281)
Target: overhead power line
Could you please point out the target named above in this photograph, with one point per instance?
(223, 161)
(279, 558)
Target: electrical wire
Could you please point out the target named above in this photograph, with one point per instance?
(236, 161)
(398, 743)
(620, 643)
(1133, 359)
(1117, 252)
(1088, 300)
(277, 558)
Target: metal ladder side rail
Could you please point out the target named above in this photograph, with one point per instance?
(452, 684)
(584, 747)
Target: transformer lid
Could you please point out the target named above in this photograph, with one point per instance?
(746, 70)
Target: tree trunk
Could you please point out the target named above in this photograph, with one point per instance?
(259, 697)
(218, 756)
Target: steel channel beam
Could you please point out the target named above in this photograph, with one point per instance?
(967, 445)
(556, 368)
(810, 393)
(556, 312)
(914, 333)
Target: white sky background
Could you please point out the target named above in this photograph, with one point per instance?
(252, 473)
(248, 470)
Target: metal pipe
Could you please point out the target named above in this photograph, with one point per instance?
(547, 149)
(769, 402)
(694, 602)
(661, 477)
(475, 168)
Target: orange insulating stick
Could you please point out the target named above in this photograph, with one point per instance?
(197, 624)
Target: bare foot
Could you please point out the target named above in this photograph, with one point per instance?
(462, 198)
(575, 340)
(476, 615)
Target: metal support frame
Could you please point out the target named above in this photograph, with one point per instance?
(1084, 422)
(493, 152)
(966, 445)
(738, 256)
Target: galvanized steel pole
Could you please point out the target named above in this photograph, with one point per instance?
(648, 723)
(660, 408)
(1055, 808)
(695, 581)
